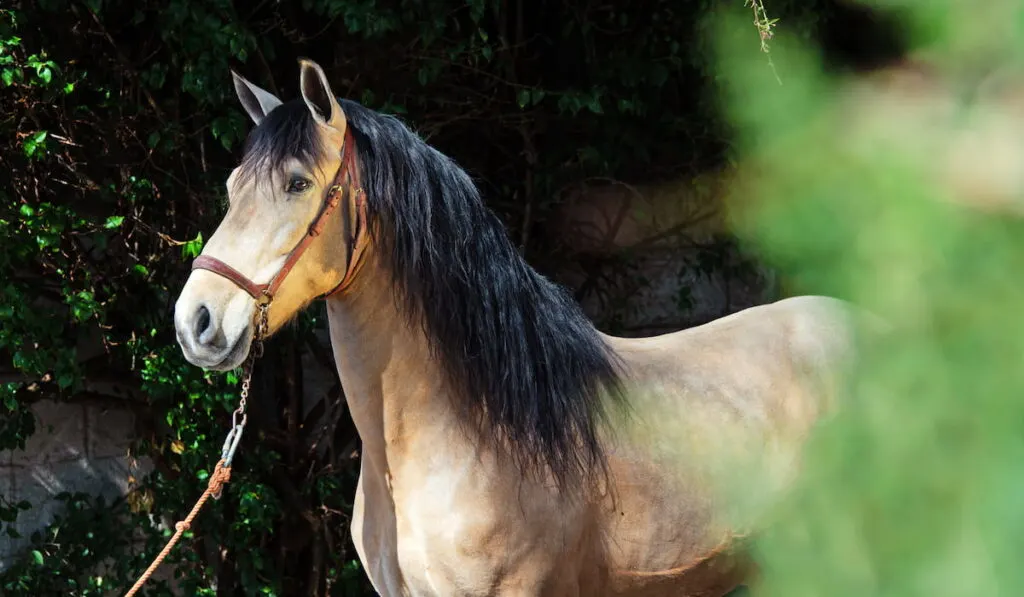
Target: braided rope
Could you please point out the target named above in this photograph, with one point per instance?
(221, 475)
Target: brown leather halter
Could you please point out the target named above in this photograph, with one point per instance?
(346, 178)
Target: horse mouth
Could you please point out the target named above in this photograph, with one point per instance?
(236, 354)
(226, 360)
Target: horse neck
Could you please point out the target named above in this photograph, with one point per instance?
(394, 387)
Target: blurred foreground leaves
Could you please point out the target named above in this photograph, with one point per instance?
(859, 190)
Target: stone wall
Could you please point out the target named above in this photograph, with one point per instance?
(651, 259)
(75, 449)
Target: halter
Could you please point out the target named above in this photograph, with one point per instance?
(347, 178)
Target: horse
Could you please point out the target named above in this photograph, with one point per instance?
(509, 447)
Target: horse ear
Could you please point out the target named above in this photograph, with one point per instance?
(257, 102)
(317, 94)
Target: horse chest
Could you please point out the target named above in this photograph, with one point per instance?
(444, 539)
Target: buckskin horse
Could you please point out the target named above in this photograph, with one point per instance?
(509, 447)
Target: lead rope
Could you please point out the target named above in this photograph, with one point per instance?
(222, 471)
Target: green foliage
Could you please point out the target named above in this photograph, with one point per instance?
(914, 487)
(119, 128)
(68, 557)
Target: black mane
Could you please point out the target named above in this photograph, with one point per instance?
(517, 348)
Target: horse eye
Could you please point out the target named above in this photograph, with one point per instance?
(298, 185)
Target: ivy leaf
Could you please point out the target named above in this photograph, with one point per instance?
(224, 129)
(523, 98)
(65, 379)
(192, 248)
(35, 144)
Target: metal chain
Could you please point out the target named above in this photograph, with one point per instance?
(255, 352)
(222, 471)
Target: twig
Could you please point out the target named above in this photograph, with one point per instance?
(765, 28)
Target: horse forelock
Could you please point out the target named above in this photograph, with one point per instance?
(288, 132)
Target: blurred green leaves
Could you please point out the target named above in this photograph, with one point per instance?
(914, 487)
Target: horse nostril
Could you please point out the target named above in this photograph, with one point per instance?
(202, 323)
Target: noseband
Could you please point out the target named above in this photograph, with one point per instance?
(347, 178)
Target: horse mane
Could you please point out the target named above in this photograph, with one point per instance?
(525, 360)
